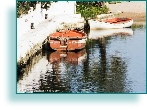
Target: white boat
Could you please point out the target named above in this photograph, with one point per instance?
(110, 23)
(95, 34)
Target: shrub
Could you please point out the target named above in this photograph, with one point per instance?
(24, 6)
(90, 10)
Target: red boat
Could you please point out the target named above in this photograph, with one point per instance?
(68, 57)
(67, 40)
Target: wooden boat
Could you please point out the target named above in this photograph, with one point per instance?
(95, 34)
(67, 40)
(68, 57)
(110, 23)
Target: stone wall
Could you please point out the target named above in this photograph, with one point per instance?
(29, 41)
(38, 15)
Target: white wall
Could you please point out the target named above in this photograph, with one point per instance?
(62, 7)
(38, 15)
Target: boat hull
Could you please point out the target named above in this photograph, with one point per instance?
(95, 24)
(70, 44)
(68, 40)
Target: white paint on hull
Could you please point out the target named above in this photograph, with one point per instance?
(95, 24)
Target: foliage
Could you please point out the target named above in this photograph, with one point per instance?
(24, 6)
(134, 26)
(87, 9)
(91, 9)
(114, 2)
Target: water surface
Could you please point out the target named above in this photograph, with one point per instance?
(113, 61)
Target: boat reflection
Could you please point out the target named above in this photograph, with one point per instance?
(95, 34)
(58, 74)
(68, 57)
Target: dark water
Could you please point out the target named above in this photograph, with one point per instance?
(112, 62)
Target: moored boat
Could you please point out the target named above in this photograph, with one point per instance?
(110, 23)
(67, 40)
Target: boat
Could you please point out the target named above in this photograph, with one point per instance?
(95, 34)
(68, 40)
(110, 23)
(69, 57)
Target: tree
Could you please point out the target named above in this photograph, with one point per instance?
(91, 9)
(24, 6)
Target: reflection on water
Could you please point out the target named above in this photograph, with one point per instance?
(106, 65)
(95, 34)
(68, 57)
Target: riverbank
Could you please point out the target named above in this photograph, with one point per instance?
(139, 18)
(33, 40)
(135, 10)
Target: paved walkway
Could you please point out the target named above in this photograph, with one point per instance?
(26, 41)
(33, 37)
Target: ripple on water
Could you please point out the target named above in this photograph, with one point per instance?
(112, 64)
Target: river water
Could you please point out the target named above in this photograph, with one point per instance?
(113, 61)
